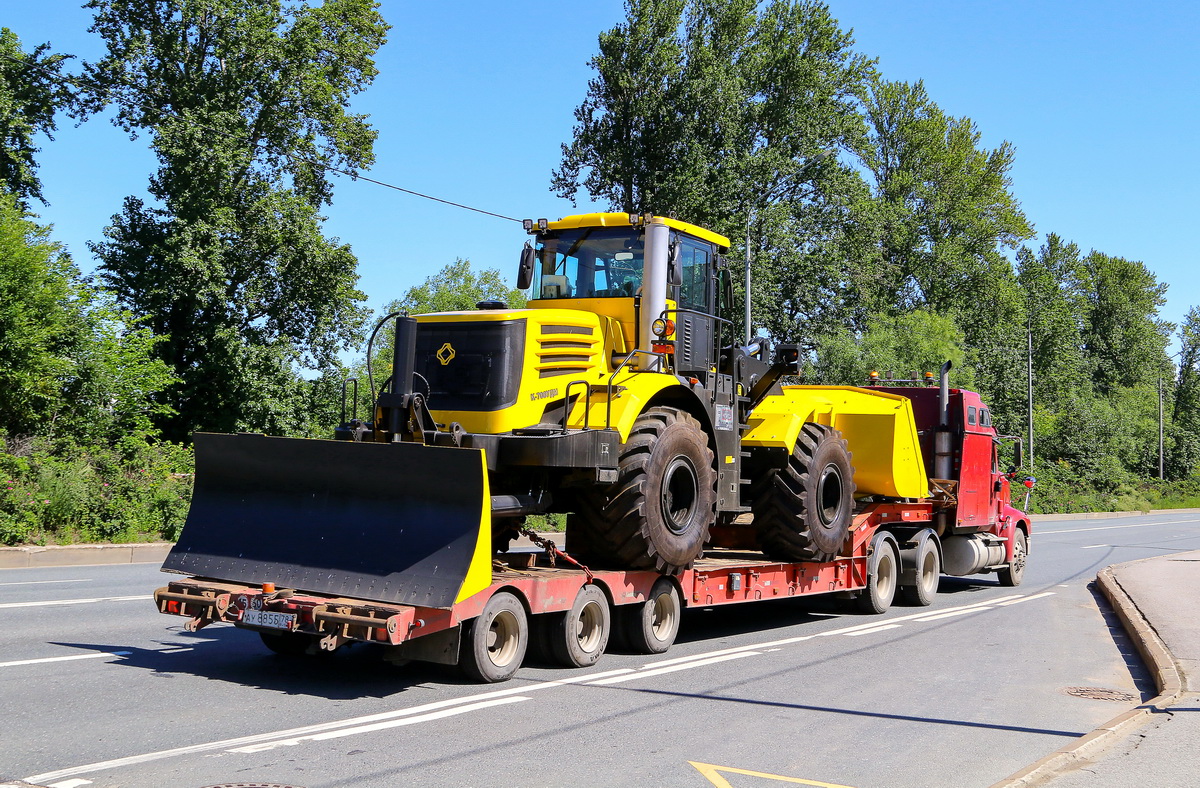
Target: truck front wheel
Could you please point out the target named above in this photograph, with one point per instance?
(1013, 574)
(803, 512)
(658, 512)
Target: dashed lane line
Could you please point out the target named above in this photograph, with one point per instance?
(43, 582)
(1043, 532)
(48, 602)
(644, 674)
(71, 658)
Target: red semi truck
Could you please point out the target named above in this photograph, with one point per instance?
(550, 604)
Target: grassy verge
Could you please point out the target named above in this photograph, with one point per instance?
(68, 494)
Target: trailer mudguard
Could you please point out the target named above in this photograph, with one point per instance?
(879, 429)
(390, 522)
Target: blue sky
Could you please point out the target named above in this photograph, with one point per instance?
(474, 98)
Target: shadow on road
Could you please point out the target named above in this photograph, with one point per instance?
(237, 656)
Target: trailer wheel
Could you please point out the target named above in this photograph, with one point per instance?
(651, 627)
(803, 512)
(579, 636)
(290, 644)
(494, 643)
(928, 565)
(881, 585)
(657, 514)
(1012, 574)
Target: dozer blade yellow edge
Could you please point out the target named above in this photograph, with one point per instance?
(389, 522)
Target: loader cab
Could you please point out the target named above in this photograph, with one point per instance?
(635, 269)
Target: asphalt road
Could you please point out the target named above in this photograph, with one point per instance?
(97, 688)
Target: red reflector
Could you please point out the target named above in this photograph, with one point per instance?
(663, 348)
(1029, 483)
(173, 607)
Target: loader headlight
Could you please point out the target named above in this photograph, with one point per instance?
(543, 225)
(663, 327)
(527, 224)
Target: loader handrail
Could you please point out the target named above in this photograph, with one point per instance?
(587, 403)
(608, 408)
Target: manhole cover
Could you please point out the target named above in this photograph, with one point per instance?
(1101, 693)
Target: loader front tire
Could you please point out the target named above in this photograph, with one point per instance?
(658, 512)
(803, 512)
(494, 643)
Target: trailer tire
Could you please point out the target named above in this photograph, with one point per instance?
(883, 577)
(658, 512)
(579, 636)
(927, 564)
(290, 644)
(803, 512)
(1012, 575)
(651, 627)
(494, 642)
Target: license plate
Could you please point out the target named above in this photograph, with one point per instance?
(269, 618)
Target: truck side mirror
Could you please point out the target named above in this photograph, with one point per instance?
(674, 270)
(525, 271)
(1017, 455)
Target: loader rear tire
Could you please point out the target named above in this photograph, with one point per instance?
(658, 512)
(494, 643)
(803, 512)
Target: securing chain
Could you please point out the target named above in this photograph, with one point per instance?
(553, 552)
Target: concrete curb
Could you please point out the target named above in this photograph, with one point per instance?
(83, 555)
(1166, 677)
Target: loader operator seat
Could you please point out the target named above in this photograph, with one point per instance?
(556, 287)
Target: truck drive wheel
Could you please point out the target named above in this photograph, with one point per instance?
(881, 585)
(578, 637)
(651, 627)
(927, 567)
(803, 512)
(658, 512)
(1013, 574)
(494, 643)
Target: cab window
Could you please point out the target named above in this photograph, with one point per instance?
(590, 262)
(971, 415)
(694, 259)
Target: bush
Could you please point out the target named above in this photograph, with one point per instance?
(56, 494)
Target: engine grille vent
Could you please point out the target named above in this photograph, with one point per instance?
(565, 350)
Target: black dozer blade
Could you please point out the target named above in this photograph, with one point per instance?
(389, 522)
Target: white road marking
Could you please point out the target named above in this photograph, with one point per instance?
(872, 631)
(227, 744)
(1026, 599)
(1093, 546)
(70, 783)
(950, 614)
(64, 659)
(175, 650)
(40, 582)
(142, 597)
(643, 674)
(1044, 532)
(378, 726)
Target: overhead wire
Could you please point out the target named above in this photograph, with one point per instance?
(73, 83)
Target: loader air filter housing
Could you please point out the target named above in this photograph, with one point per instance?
(470, 366)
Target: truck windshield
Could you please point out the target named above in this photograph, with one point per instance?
(589, 262)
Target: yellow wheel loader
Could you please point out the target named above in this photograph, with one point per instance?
(618, 396)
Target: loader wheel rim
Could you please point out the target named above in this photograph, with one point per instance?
(503, 639)
(680, 492)
(829, 491)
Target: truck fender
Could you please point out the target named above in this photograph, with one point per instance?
(1010, 539)
(879, 538)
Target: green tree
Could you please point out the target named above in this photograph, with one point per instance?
(31, 94)
(731, 116)
(455, 288)
(903, 345)
(1052, 283)
(1124, 339)
(1186, 410)
(245, 105)
(71, 363)
(946, 210)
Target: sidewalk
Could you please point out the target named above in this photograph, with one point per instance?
(1158, 601)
